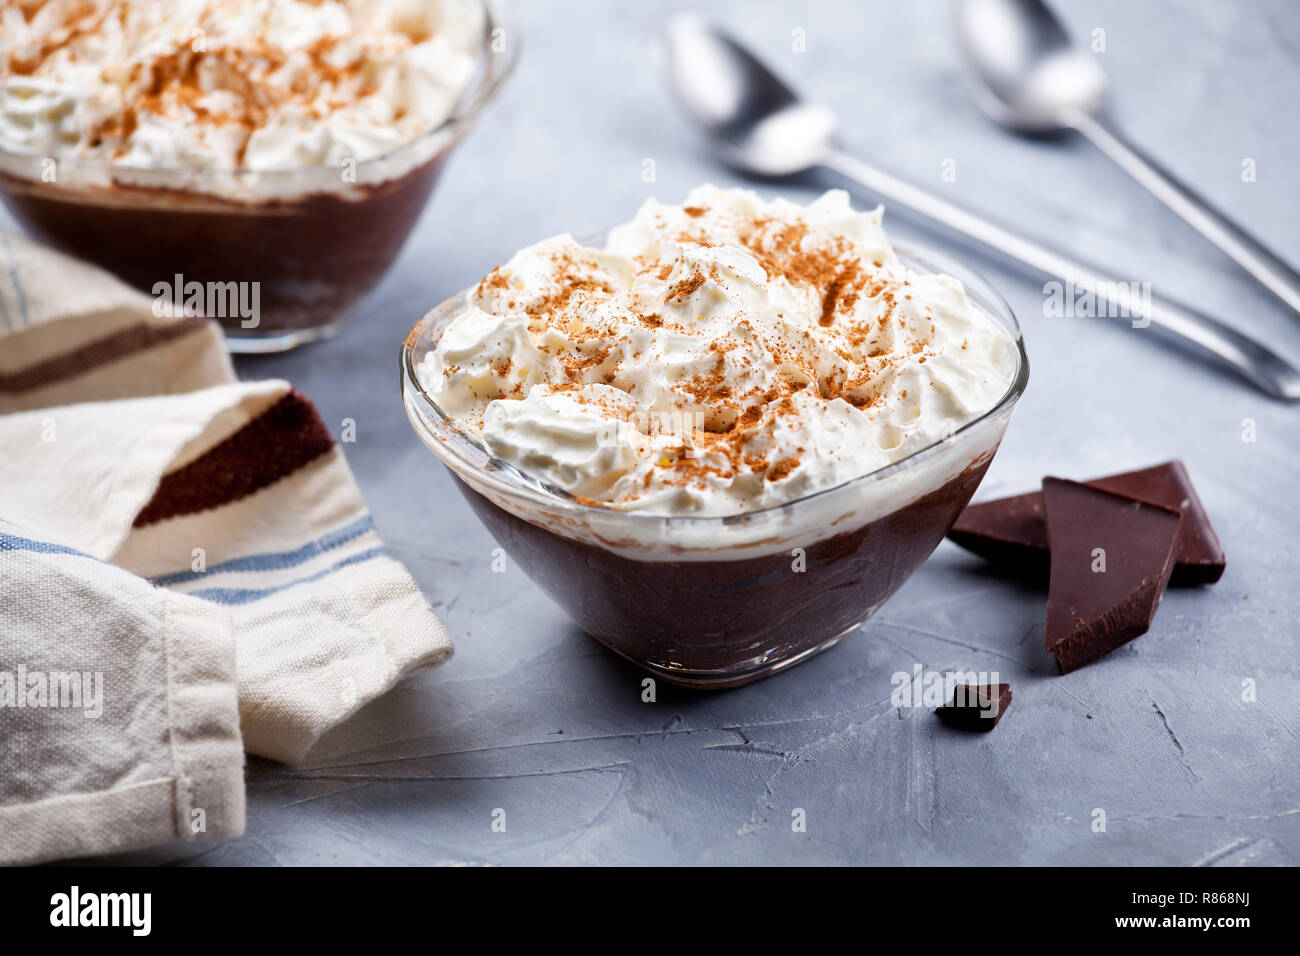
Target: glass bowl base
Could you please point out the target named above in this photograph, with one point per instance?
(745, 673)
(269, 343)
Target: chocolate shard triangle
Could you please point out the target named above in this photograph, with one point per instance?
(1198, 555)
(1010, 531)
(976, 706)
(1112, 557)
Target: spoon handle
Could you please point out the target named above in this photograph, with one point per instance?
(1252, 361)
(1272, 272)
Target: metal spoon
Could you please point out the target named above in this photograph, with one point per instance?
(1029, 76)
(758, 125)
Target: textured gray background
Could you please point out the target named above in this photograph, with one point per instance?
(533, 717)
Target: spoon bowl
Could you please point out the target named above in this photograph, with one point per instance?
(1027, 74)
(755, 122)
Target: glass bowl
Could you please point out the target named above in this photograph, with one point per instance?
(721, 601)
(278, 257)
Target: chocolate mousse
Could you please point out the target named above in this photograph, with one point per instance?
(280, 150)
(312, 258)
(725, 436)
(1112, 557)
(1010, 532)
(723, 623)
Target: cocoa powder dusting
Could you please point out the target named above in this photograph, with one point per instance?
(684, 288)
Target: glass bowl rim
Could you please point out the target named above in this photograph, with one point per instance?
(911, 253)
(478, 94)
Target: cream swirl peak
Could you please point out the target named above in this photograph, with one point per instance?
(717, 357)
(256, 84)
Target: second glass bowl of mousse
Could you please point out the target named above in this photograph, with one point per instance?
(278, 256)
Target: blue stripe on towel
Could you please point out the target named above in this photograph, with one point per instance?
(248, 595)
(13, 542)
(230, 596)
(275, 560)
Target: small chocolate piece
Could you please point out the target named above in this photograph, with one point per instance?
(976, 706)
(1112, 557)
(1010, 531)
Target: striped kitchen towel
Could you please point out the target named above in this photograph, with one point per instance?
(118, 707)
(127, 445)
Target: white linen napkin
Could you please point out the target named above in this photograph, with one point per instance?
(118, 706)
(127, 445)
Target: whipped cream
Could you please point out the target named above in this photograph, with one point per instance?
(717, 357)
(226, 84)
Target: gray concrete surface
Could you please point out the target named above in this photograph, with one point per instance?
(534, 718)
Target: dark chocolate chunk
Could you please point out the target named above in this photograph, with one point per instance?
(1198, 555)
(1010, 531)
(976, 706)
(1112, 557)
